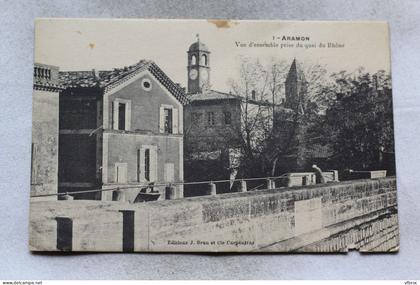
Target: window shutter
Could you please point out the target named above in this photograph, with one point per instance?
(153, 163)
(175, 121)
(120, 172)
(161, 120)
(128, 116)
(142, 179)
(115, 115)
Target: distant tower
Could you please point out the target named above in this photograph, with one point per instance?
(198, 67)
(296, 87)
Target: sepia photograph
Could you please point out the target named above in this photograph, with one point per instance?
(212, 136)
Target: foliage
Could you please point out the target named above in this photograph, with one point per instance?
(359, 123)
(349, 114)
(262, 88)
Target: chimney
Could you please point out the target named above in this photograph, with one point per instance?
(95, 73)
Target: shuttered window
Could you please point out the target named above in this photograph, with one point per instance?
(210, 118)
(148, 163)
(121, 115)
(168, 120)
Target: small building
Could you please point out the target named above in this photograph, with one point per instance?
(294, 179)
(118, 128)
(44, 150)
(214, 122)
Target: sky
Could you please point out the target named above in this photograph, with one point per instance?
(104, 44)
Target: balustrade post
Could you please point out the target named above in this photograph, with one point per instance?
(170, 192)
(212, 189)
(269, 184)
(243, 186)
(180, 191)
(118, 195)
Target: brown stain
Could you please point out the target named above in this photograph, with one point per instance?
(224, 24)
(92, 45)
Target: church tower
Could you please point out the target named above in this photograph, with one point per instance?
(296, 87)
(198, 67)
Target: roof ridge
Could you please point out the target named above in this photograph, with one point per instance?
(142, 64)
(103, 78)
(222, 92)
(166, 81)
(110, 78)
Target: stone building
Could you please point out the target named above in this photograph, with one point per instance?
(214, 122)
(119, 128)
(296, 87)
(291, 129)
(44, 161)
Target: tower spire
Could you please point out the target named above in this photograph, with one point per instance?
(296, 86)
(198, 37)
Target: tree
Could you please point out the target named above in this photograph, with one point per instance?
(359, 122)
(288, 139)
(261, 144)
(251, 88)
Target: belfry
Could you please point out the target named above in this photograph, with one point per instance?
(198, 67)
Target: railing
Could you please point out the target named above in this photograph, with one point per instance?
(42, 72)
(270, 184)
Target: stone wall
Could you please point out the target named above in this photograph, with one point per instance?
(200, 136)
(145, 131)
(44, 142)
(331, 217)
(123, 148)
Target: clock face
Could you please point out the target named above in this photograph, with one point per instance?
(193, 74)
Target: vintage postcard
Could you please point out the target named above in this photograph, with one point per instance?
(212, 136)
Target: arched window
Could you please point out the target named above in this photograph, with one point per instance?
(204, 59)
(193, 60)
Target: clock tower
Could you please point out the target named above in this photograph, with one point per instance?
(198, 67)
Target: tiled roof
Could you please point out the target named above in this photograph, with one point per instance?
(174, 88)
(98, 78)
(41, 85)
(209, 95)
(111, 78)
(212, 95)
